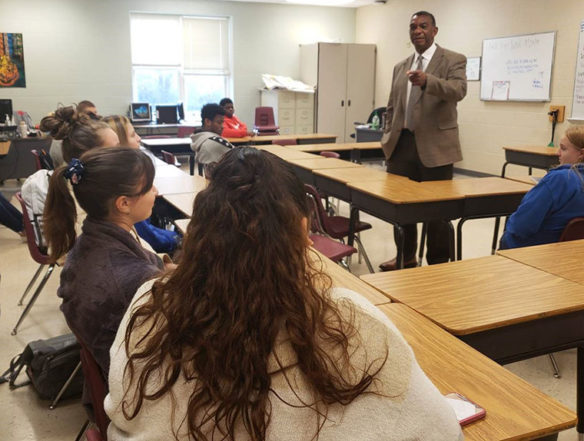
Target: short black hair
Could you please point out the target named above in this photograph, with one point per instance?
(427, 14)
(225, 101)
(210, 111)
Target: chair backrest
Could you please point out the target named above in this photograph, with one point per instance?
(38, 253)
(168, 157)
(574, 230)
(185, 131)
(320, 217)
(96, 385)
(37, 159)
(330, 154)
(264, 116)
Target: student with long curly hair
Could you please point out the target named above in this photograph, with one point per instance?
(247, 340)
(106, 264)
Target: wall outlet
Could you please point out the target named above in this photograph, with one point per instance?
(561, 112)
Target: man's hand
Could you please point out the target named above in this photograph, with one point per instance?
(417, 77)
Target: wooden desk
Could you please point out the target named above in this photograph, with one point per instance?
(301, 138)
(334, 182)
(182, 224)
(179, 184)
(4, 147)
(528, 179)
(344, 279)
(563, 259)
(352, 150)
(305, 167)
(530, 156)
(177, 146)
(284, 152)
(515, 409)
(504, 309)
(182, 201)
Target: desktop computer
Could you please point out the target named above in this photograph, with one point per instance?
(167, 114)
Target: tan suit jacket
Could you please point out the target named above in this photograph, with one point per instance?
(434, 114)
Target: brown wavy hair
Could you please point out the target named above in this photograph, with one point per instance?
(119, 124)
(77, 130)
(245, 277)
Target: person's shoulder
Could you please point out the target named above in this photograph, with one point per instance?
(220, 140)
(450, 54)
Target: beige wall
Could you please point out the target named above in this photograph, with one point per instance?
(484, 126)
(80, 49)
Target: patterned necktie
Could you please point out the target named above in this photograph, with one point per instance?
(415, 94)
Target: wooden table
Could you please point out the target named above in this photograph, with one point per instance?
(183, 202)
(4, 147)
(528, 179)
(505, 309)
(177, 146)
(348, 150)
(530, 156)
(515, 409)
(563, 259)
(305, 167)
(284, 152)
(179, 184)
(334, 182)
(301, 138)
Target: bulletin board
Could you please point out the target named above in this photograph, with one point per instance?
(518, 68)
(578, 102)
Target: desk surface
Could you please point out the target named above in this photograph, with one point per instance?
(275, 138)
(474, 187)
(321, 163)
(536, 150)
(161, 142)
(182, 201)
(473, 295)
(179, 184)
(4, 147)
(526, 179)
(563, 259)
(354, 174)
(515, 409)
(400, 190)
(284, 152)
(336, 147)
(344, 279)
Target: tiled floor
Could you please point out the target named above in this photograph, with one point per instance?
(25, 417)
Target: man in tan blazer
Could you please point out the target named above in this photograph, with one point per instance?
(420, 137)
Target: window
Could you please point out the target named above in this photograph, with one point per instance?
(180, 59)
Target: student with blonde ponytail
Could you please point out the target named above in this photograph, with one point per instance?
(106, 263)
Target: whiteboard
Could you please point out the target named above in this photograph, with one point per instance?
(518, 68)
(578, 102)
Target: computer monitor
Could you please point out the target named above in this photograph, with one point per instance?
(140, 113)
(181, 111)
(167, 114)
(5, 109)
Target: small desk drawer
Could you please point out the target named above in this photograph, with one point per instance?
(286, 100)
(304, 117)
(286, 117)
(304, 100)
(305, 129)
(286, 130)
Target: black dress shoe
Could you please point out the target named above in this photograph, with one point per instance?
(390, 265)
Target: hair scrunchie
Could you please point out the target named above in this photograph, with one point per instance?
(74, 171)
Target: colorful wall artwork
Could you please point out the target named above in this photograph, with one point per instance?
(11, 61)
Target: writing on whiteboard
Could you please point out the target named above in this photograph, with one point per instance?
(578, 102)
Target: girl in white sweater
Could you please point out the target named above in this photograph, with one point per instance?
(246, 340)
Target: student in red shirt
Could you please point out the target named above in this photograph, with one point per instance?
(232, 127)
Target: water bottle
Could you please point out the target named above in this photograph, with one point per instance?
(22, 129)
(375, 122)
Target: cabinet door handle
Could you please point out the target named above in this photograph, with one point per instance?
(342, 103)
(349, 103)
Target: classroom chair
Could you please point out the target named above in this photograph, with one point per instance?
(264, 121)
(335, 251)
(336, 227)
(330, 155)
(185, 131)
(42, 160)
(169, 158)
(39, 255)
(96, 386)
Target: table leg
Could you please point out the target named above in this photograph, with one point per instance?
(504, 167)
(192, 164)
(459, 238)
(356, 156)
(495, 235)
(399, 241)
(353, 217)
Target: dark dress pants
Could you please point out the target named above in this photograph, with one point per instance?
(10, 216)
(405, 161)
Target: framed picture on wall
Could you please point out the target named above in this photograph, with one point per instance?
(11, 61)
(473, 68)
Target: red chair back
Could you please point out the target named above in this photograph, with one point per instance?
(37, 159)
(574, 230)
(96, 385)
(330, 155)
(321, 217)
(168, 157)
(332, 249)
(39, 255)
(264, 121)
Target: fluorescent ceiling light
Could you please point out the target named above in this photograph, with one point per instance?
(321, 2)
